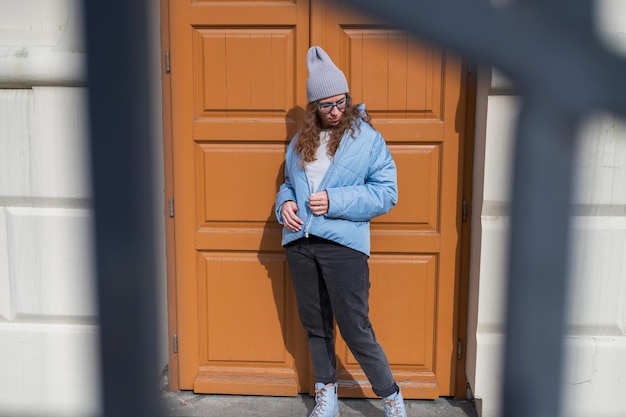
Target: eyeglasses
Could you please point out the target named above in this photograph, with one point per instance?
(328, 107)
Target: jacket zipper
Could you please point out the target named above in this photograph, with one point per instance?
(307, 226)
(308, 223)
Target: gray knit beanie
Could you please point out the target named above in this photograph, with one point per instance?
(325, 79)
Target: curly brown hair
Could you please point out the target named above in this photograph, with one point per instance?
(309, 137)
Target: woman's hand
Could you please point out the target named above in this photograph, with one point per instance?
(288, 213)
(318, 202)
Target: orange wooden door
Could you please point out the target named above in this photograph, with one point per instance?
(414, 94)
(238, 73)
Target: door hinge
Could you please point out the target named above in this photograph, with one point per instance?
(459, 349)
(175, 343)
(171, 204)
(167, 62)
(464, 210)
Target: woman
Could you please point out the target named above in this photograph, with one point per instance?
(339, 175)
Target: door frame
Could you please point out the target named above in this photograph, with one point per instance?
(168, 201)
(467, 180)
(465, 191)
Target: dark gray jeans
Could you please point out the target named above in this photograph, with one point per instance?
(331, 278)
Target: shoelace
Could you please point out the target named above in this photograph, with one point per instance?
(392, 408)
(320, 400)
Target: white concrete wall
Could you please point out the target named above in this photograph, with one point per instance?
(48, 324)
(593, 382)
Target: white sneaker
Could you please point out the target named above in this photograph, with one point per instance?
(394, 405)
(326, 401)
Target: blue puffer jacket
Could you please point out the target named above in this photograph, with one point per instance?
(361, 184)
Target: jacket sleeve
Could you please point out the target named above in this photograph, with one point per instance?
(286, 191)
(378, 194)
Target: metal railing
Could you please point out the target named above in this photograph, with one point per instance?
(521, 39)
(121, 156)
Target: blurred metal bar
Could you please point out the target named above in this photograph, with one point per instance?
(527, 40)
(122, 181)
(537, 284)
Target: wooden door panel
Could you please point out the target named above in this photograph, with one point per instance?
(412, 359)
(237, 13)
(416, 276)
(249, 330)
(246, 314)
(418, 210)
(412, 72)
(244, 71)
(247, 174)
